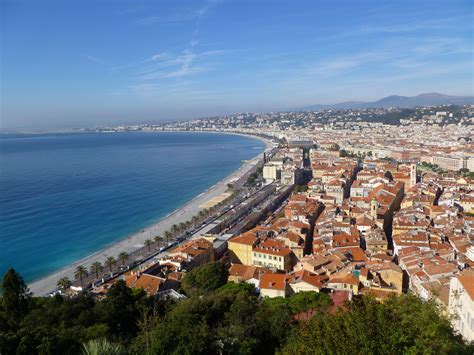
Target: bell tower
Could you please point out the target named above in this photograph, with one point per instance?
(412, 175)
(373, 208)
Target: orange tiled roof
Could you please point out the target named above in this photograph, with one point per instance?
(273, 281)
(467, 280)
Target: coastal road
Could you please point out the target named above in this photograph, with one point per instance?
(135, 241)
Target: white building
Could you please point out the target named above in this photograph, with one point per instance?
(461, 304)
(271, 172)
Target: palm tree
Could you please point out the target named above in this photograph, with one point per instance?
(80, 272)
(96, 268)
(168, 235)
(194, 220)
(64, 283)
(148, 243)
(123, 256)
(182, 226)
(158, 239)
(110, 263)
(174, 228)
(102, 346)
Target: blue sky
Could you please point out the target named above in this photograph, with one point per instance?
(84, 63)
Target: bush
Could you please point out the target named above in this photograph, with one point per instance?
(204, 279)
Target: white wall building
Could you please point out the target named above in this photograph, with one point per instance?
(461, 304)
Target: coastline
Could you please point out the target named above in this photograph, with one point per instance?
(134, 241)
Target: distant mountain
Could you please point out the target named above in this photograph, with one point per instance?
(429, 99)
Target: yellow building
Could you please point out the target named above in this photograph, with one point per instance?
(240, 248)
(272, 254)
(467, 203)
(344, 282)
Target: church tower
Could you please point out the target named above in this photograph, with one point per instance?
(373, 208)
(412, 176)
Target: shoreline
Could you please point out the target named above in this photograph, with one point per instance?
(130, 243)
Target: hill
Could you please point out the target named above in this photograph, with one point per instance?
(219, 318)
(427, 99)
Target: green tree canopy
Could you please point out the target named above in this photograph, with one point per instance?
(205, 278)
(403, 324)
(15, 295)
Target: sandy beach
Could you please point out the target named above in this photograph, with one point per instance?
(135, 241)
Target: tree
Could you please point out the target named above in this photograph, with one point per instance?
(168, 235)
(119, 310)
(110, 262)
(96, 268)
(205, 278)
(123, 256)
(148, 244)
(305, 301)
(64, 283)
(15, 296)
(80, 272)
(102, 347)
(174, 229)
(402, 324)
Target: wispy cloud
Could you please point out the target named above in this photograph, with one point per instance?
(394, 53)
(158, 56)
(179, 15)
(402, 28)
(185, 64)
(95, 59)
(343, 64)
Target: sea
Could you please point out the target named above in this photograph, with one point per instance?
(66, 196)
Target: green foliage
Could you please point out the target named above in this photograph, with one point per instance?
(96, 268)
(220, 318)
(15, 295)
(205, 278)
(123, 256)
(102, 347)
(80, 272)
(305, 301)
(400, 325)
(119, 310)
(64, 283)
(300, 188)
(220, 322)
(392, 118)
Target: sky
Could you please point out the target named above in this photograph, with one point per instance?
(68, 63)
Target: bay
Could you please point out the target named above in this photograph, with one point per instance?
(65, 196)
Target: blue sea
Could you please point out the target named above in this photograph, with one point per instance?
(65, 196)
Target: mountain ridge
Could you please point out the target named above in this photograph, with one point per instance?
(425, 99)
